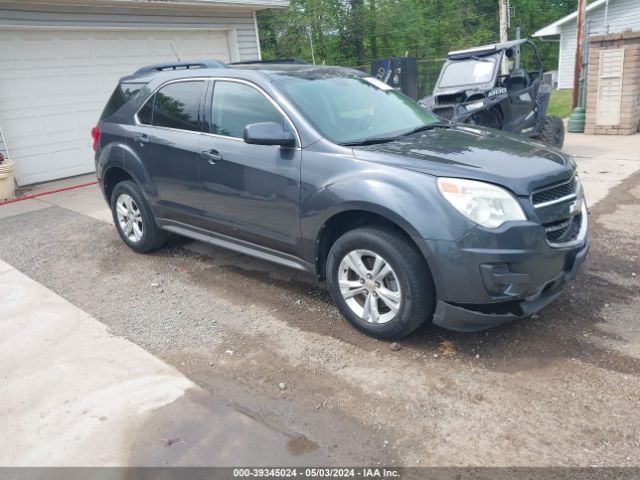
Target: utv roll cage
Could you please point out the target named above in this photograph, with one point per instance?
(472, 88)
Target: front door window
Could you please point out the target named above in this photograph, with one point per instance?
(236, 105)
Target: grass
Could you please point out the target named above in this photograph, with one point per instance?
(560, 103)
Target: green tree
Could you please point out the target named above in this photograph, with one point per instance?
(355, 32)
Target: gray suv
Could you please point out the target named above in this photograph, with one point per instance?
(407, 217)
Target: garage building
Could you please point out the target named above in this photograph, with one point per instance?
(60, 61)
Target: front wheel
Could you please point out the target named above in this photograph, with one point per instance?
(380, 282)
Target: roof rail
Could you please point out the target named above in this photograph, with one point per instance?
(275, 61)
(485, 49)
(186, 65)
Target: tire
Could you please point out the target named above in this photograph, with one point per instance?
(488, 118)
(552, 131)
(409, 281)
(127, 202)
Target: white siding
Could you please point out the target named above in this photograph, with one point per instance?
(622, 15)
(55, 83)
(45, 48)
(81, 16)
(567, 57)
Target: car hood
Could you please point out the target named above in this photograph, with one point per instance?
(519, 164)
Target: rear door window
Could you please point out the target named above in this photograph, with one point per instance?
(145, 114)
(176, 105)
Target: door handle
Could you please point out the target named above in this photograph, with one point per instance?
(142, 140)
(212, 156)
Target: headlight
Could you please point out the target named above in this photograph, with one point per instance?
(474, 105)
(482, 203)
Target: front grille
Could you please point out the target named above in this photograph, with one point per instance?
(555, 192)
(564, 231)
(564, 227)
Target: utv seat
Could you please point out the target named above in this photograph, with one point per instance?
(518, 80)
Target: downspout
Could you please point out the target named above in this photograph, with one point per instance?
(605, 24)
(255, 28)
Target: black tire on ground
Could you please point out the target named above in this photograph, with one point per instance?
(552, 131)
(152, 237)
(413, 276)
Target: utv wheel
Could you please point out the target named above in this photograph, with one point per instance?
(552, 132)
(380, 282)
(488, 118)
(133, 219)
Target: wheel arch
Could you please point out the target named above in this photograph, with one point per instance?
(357, 216)
(128, 167)
(112, 176)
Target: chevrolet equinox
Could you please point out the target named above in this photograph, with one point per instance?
(407, 217)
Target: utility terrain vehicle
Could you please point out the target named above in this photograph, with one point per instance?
(497, 86)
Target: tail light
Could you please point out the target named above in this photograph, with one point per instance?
(95, 134)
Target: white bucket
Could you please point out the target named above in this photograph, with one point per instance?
(7, 182)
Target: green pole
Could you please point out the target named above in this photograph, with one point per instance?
(577, 118)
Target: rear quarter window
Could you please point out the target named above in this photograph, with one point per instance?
(119, 97)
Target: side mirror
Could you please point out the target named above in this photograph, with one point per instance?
(268, 133)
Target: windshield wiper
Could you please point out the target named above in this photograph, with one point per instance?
(422, 128)
(368, 141)
(374, 140)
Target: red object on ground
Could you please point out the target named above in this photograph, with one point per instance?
(48, 192)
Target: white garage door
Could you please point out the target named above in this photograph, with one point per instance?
(54, 84)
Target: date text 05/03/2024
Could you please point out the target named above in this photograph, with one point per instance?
(334, 473)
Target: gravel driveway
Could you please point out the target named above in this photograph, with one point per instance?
(559, 389)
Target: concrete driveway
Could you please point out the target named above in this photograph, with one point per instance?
(199, 356)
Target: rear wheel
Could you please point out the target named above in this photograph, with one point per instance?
(552, 131)
(134, 220)
(380, 282)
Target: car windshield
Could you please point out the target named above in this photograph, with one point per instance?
(467, 72)
(352, 109)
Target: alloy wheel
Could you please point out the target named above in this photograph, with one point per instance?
(369, 286)
(129, 218)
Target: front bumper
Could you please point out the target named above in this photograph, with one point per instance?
(468, 318)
